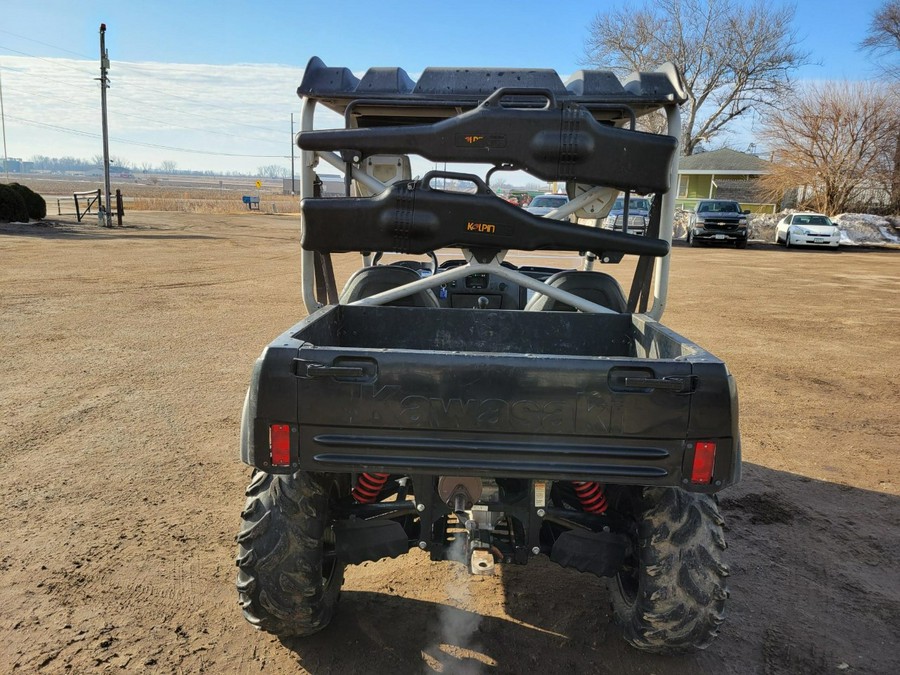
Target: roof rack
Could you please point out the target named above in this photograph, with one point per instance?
(445, 92)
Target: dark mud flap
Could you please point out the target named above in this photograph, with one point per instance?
(357, 541)
(600, 553)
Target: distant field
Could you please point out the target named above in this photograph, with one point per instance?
(152, 192)
(222, 195)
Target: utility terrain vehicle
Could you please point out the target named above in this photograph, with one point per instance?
(475, 409)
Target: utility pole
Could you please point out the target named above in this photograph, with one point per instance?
(104, 85)
(3, 121)
(293, 188)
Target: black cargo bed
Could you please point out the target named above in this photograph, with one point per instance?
(558, 334)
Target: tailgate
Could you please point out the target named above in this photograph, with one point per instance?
(491, 413)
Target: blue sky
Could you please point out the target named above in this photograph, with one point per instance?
(527, 33)
(202, 95)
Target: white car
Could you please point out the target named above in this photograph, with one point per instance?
(807, 229)
(544, 204)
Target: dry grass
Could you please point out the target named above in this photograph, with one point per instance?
(171, 197)
(194, 204)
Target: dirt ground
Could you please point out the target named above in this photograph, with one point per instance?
(125, 356)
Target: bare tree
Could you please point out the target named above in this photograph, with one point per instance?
(834, 142)
(272, 171)
(735, 57)
(168, 166)
(884, 31)
(883, 41)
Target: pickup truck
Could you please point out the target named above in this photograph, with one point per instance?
(719, 221)
(637, 215)
(479, 411)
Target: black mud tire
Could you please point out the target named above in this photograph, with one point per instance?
(692, 240)
(287, 582)
(670, 598)
(740, 243)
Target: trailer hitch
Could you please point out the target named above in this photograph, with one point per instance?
(460, 493)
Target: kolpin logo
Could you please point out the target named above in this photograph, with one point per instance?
(486, 228)
(584, 412)
(473, 139)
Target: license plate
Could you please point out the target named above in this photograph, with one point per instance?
(720, 236)
(818, 240)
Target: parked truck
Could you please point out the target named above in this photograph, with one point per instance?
(455, 403)
(719, 221)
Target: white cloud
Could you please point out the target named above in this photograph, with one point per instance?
(52, 107)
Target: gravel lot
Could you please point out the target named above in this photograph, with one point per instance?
(125, 355)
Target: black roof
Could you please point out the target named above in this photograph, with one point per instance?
(440, 92)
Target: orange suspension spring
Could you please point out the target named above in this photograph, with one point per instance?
(368, 485)
(591, 496)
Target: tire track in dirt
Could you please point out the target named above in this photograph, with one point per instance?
(111, 285)
(119, 413)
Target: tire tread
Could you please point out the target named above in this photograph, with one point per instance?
(279, 582)
(682, 578)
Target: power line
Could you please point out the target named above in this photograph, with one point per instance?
(119, 64)
(120, 98)
(89, 134)
(61, 62)
(47, 44)
(119, 113)
(127, 67)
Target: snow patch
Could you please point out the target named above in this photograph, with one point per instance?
(865, 228)
(857, 229)
(846, 240)
(887, 235)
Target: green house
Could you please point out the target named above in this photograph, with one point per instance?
(722, 174)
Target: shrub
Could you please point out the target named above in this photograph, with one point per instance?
(12, 206)
(37, 207)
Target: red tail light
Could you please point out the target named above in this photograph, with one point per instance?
(704, 462)
(280, 444)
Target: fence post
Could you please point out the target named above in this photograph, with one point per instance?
(120, 208)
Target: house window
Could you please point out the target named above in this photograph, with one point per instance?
(682, 186)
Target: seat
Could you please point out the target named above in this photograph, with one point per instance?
(370, 281)
(596, 287)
